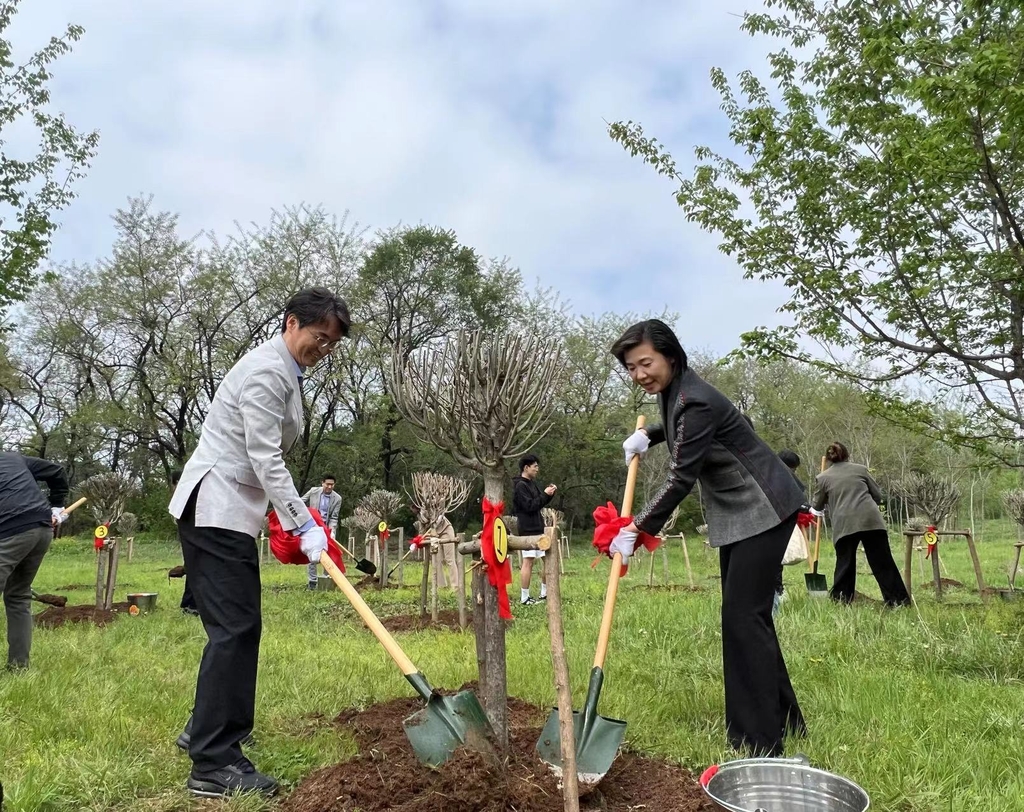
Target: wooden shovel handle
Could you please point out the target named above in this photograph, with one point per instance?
(74, 505)
(369, 618)
(817, 531)
(613, 577)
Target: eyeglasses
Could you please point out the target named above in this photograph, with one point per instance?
(323, 342)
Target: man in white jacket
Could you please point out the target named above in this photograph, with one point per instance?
(220, 503)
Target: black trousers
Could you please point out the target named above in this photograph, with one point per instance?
(760, 704)
(883, 567)
(224, 573)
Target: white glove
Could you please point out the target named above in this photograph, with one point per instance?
(623, 544)
(312, 543)
(58, 515)
(637, 443)
(818, 513)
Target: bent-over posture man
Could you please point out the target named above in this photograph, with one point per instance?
(27, 519)
(220, 503)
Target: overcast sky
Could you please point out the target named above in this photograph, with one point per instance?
(487, 118)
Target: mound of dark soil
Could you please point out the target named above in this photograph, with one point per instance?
(59, 615)
(387, 776)
(446, 619)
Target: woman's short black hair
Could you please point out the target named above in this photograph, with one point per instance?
(659, 335)
(314, 306)
(526, 461)
(790, 458)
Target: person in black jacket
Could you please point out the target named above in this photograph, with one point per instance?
(527, 501)
(752, 503)
(27, 520)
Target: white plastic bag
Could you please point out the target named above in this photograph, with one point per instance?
(797, 549)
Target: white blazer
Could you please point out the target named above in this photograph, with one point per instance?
(255, 418)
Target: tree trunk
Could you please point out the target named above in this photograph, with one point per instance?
(101, 576)
(478, 582)
(493, 675)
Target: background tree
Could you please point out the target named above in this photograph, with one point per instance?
(34, 187)
(484, 398)
(882, 184)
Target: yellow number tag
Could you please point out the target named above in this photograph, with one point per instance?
(500, 541)
(382, 527)
(101, 531)
(930, 538)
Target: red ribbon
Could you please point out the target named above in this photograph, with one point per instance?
(97, 542)
(500, 575)
(385, 535)
(805, 520)
(608, 523)
(416, 542)
(284, 544)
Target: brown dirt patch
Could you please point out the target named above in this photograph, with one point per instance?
(387, 776)
(58, 616)
(52, 600)
(446, 619)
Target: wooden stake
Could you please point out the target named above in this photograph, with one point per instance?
(570, 782)
(435, 554)
(460, 561)
(424, 585)
(101, 576)
(686, 557)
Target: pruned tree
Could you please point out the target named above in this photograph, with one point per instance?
(552, 517)
(483, 397)
(1013, 501)
(381, 505)
(437, 495)
(934, 497)
(108, 494)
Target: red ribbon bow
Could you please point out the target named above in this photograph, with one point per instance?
(608, 523)
(805, 520)
(416, 542)
(284, 544)
(500, 575)
(385, 535)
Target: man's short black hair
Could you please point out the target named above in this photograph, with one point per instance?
(659, 335)
(527, 461)
(790, 458)
(331, 477)
(314, 306)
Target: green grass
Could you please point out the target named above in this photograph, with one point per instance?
(923, 707)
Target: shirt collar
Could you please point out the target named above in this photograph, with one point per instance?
(299, 369)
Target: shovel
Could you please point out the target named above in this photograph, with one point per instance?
(597, 737)
(447, 722)
(817, 586)
(362, 564)
(50, 600)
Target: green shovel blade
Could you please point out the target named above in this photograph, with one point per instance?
(597, 738)
(446, 724)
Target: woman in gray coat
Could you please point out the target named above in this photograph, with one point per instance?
(853, 498)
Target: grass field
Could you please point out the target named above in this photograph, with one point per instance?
(923, 706)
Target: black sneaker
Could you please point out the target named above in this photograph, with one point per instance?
(541, 598)
(185, 737)
(529, 601)
(311, 585)
(235, 778)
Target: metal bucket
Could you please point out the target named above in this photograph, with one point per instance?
(143, 601)
(780, 785)
(324, 583)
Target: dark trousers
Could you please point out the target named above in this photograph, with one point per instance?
(760, 704)
(883, 567)
(224, 573)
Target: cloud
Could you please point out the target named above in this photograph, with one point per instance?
(485, 118)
